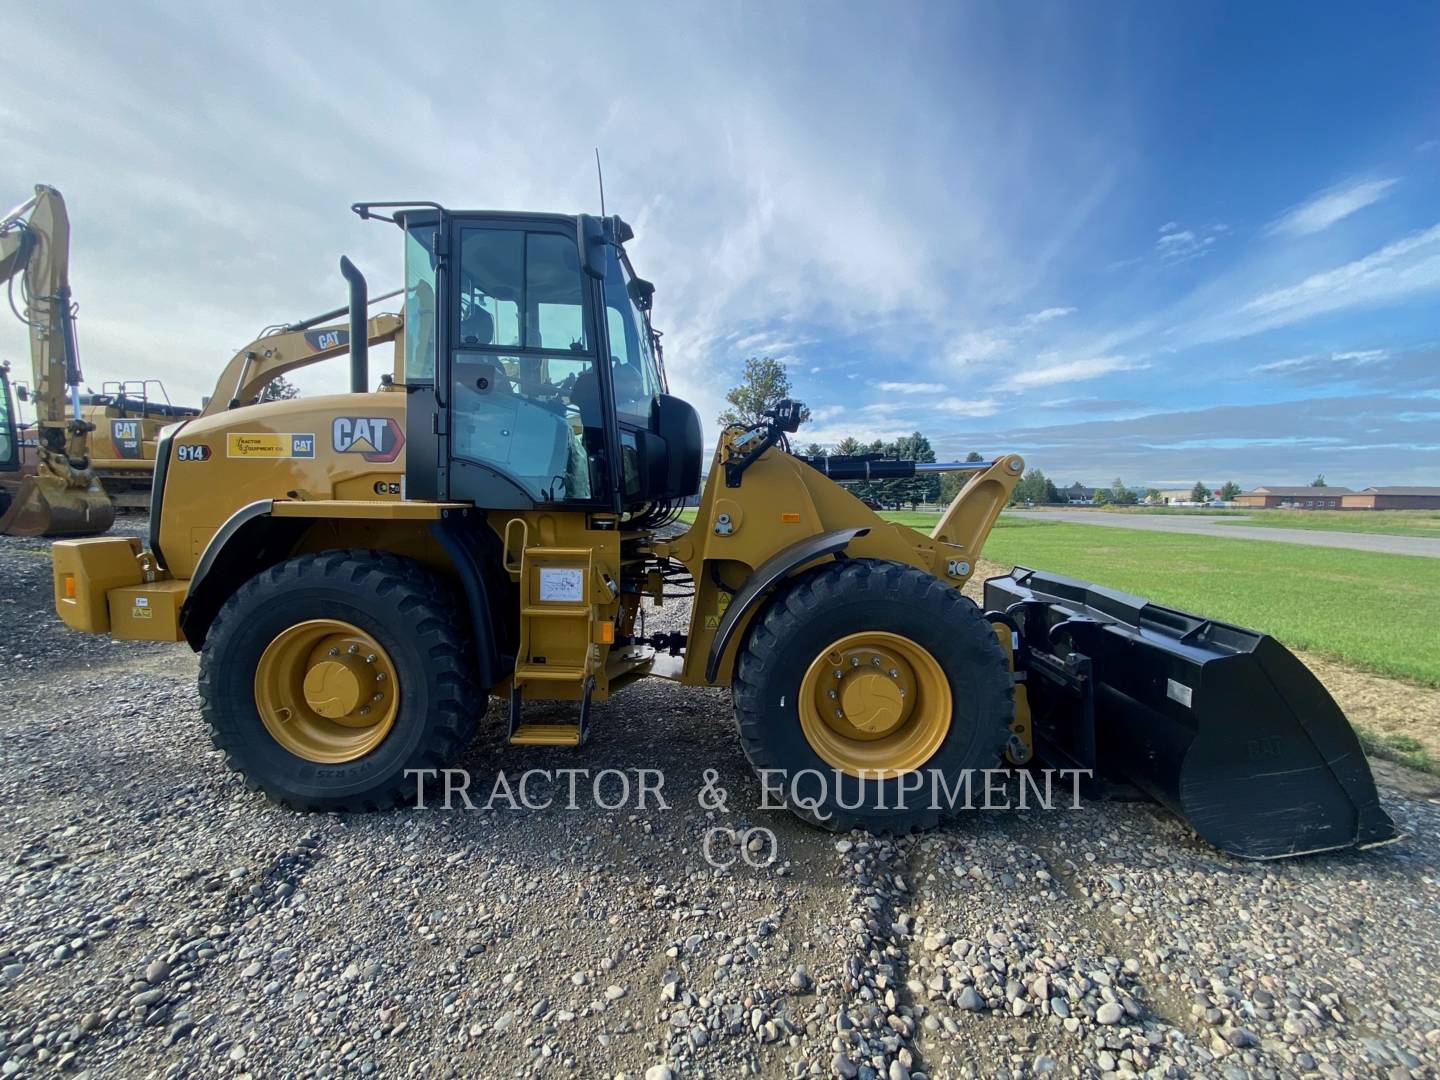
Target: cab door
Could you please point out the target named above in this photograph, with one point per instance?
(9, 434)
(527, 402)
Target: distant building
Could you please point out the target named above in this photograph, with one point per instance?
(1392, 498)
(1295, 498)
(1078, 495)
(1177, 495)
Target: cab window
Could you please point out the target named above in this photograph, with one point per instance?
(636, 374)
(7, 425)
(420, 303)
(526, 399)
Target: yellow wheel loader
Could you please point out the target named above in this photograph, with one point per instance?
(362, 572)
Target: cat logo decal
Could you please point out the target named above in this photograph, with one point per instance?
(375, 438)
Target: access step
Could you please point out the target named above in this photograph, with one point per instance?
(546, 735)
(549, 673)
(523, 734)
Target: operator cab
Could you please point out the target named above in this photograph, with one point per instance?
(9, 427)
(532, 371)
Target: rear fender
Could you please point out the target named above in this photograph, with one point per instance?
(251, 540)
(453, 542)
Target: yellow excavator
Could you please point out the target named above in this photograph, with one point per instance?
(88, 454)
(360, 572)
(63, 495)
(125, 420)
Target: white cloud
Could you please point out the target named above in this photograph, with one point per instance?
(866, 431)
(1067, 371)
(912, 388)
(1287, 364)
(1335, 204)
(826, 412)
(1399, 269)
(1036, 318)
(979, 345)
(1175, 244)
(957, 406)
(1358, 358)
(753, 214)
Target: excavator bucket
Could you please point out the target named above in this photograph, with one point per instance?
(47, 506)
(1225, 726)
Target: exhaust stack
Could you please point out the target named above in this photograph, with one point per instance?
(359, 327)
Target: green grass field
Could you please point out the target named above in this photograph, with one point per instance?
(1388, 522)
(1377, 612)
(1373, 611)
(1168, 511)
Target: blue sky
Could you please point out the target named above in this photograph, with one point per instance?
(1162, 241)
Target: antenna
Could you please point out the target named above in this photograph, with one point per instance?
(600, 179)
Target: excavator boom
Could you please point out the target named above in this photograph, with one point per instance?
(285, 348)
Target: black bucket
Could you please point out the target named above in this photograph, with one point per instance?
(1222, 725)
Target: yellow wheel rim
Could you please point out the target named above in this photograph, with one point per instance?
(326, 691)
(875, 705)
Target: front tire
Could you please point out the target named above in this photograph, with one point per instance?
(861, 674)
(329, 678)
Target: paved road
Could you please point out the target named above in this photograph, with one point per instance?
(1213, 525)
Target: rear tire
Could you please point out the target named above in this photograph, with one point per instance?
(891, 609)
(397, 605)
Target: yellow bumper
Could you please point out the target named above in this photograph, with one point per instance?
(100, 588)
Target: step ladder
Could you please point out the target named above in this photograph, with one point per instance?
(557, 628)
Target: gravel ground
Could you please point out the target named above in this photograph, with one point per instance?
(156, 919)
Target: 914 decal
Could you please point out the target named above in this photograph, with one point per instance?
(193, 452)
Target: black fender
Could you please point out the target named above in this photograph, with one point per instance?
(766, 576)
(249, 542)
(485, 593)
(252, 540)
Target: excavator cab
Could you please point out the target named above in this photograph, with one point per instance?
(9, 445)
(9, 430)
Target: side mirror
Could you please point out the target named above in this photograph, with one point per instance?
(590, 238)
(678, 424)
(22, 392)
